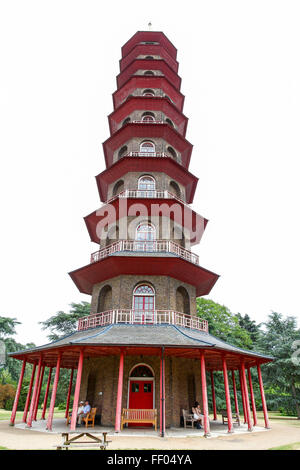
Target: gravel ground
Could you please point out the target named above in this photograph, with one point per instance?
(282, 433)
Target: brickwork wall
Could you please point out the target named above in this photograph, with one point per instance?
(133, 145)
(123, 286)
(179, 373)
(139, 114)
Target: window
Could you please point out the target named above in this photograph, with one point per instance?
(143, 305)
(148, 118)
(145, 237)
(172, 152)
(126, 121)
(141, 371)
(147, 148)
(168, 121)
(148, 72)
(122, 152)
(146, 183)
(149, 57)
(148, 93)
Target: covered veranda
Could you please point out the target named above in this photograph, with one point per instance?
(211, 354)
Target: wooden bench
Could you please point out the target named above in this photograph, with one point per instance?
(235, 417)
(73, 441)
(139, 416)
(188, 418)
(89, 419)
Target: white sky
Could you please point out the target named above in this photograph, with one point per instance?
(240, 69)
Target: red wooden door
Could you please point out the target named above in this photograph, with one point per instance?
(141, 397)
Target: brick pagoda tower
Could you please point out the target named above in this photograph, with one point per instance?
(142, 354)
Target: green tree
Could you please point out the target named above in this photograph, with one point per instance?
(282, 376)
(7, 326)
(223, 323)
(62, 323)
(249, 325)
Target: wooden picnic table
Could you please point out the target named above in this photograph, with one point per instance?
(72, 439)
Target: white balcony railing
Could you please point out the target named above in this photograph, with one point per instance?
(146, 193)
(142, 317)
(148, 122)
(146, 154)
(153, 246)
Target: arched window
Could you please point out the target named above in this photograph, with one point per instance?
(126, 121)
(172, 152)
(174, 189)
(182, 300)
(122, 152)
(168, 121)
(147, 148)
(143, 303)
(141, 370)
(148, 72)
(149, 57)
(145, 237)
(148, 117)
(148, 93)
(105, 299)
(146, 186)
(118, 187)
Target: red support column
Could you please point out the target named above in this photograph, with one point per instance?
(227, 396)
(69, 393)
(17, 396)
(247, 404)
(252, 398)
(236, 403)
(34, 395)
(29, 394)
(77, 391)
(162, 418)
(119, 394)
(213, 395)
(243, 397)
(263, 399)
(53, 395)
(38, 394)
(46, 394)
(204, 395)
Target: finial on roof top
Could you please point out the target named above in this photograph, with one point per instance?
(150, 25)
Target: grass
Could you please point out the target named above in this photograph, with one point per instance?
(5, 414)
(293, 446)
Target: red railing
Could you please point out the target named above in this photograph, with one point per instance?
(142, 317)
(153, 246)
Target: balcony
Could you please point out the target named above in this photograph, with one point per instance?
(146, 193)
(153, 246)
(142, 317)
(147, 154)
(148, 121)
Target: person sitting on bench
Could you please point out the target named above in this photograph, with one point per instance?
(85, 411)
(198, 416)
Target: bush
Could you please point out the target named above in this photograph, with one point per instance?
(62, 406)
(7, 396)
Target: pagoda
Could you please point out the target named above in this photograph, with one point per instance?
(143, 354)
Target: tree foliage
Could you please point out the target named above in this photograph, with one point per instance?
(62, 323)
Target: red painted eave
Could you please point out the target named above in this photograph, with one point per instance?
(147, 131)
(157, 36)
(149, 64)
(86, 277)
(145, 164)
(149, 80)
(141, 103)
(119, 208)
